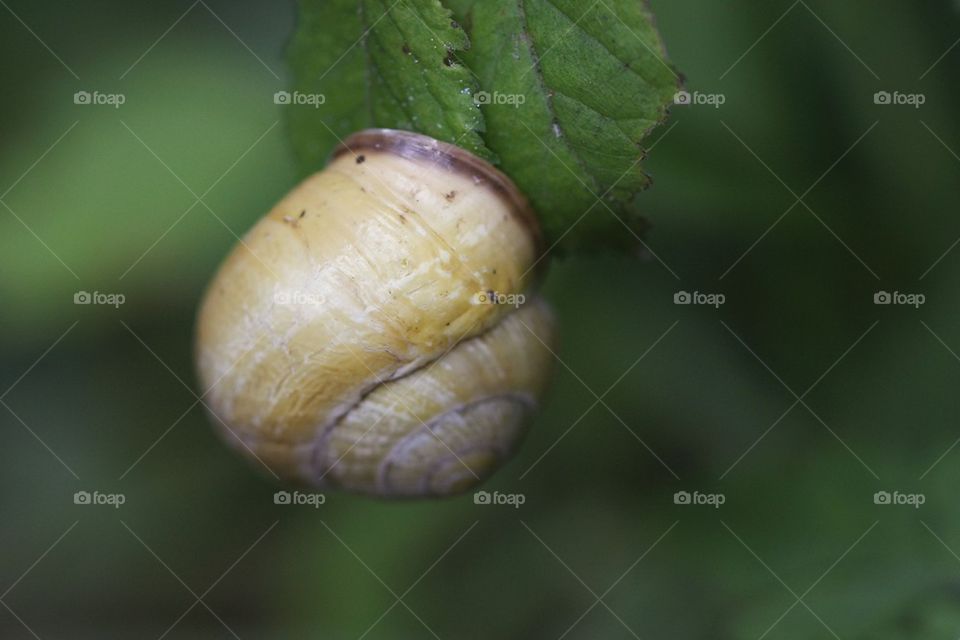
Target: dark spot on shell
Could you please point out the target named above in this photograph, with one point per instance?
(361, 159)
(403, 218)
(494, 271)
(303, 213)
(450, 196)
(420, 148)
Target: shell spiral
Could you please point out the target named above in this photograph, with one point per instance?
(377, 330)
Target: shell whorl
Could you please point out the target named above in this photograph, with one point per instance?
(342, 341)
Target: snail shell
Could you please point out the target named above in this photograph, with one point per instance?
(356, 337)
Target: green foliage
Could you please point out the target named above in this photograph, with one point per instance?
(561, 96)
(593, 88)
(393, 68)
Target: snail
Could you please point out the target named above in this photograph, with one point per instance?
(378, 331)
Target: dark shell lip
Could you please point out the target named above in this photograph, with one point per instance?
(422, 148)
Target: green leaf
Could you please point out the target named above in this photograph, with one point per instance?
(380, 63)
(461, 10)
(560, 95)
(593, 82)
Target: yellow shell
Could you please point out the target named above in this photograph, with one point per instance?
(371, 332)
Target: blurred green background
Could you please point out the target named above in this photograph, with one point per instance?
(146, 199)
